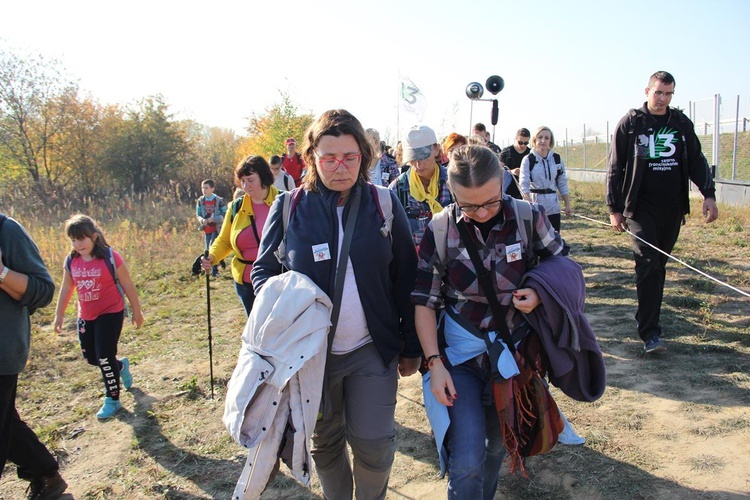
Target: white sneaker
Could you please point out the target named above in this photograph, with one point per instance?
(569, 435)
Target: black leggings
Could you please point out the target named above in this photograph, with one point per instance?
(98, 338)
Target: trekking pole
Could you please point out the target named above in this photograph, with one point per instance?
(208, 316)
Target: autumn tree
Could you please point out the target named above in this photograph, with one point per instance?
(146, 149)
(210, 154)
(35, 97)
(268, 131)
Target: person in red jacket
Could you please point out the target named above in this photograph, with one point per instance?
(292, 161)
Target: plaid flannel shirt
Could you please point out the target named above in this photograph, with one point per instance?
(419, 212)
(455, 282)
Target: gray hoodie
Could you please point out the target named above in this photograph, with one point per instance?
(20, 254)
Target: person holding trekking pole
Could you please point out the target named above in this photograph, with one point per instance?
(102, 281)
(244, 225)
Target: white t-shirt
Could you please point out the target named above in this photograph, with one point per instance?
(351, 332)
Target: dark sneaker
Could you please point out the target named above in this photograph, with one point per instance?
(654, 344)
(46, 488)
(215, 272)
(223, 264)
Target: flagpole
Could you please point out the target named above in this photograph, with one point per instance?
(398, 108)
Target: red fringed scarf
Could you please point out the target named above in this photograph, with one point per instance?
(529, 419)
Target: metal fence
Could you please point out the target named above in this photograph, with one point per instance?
(723, 129)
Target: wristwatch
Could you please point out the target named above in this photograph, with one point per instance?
(4, 274)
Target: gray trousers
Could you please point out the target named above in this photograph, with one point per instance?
(362, 395)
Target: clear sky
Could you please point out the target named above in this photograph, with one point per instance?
(565, 63)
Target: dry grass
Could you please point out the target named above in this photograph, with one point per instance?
(671, 426)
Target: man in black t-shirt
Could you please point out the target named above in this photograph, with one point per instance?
(511, 158)
(655, 154)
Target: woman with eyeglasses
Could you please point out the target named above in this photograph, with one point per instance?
(543, 175)
(243, 225)
(447, 288)
(375, 339)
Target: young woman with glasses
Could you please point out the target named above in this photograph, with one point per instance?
(457, 381)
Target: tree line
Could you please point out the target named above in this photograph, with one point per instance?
(58, 142)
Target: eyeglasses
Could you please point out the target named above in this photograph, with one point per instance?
(490, 206)
(331, 163)
(523, 143)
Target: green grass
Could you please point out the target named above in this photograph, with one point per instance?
(595, 157)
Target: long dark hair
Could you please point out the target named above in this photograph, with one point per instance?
(82, 226)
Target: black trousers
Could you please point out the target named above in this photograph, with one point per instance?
(18, 443)
(660, 226)
(98, 340)
(555, 220)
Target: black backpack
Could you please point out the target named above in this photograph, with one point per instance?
(555, 156)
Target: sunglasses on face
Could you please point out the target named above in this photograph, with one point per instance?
(523, 143)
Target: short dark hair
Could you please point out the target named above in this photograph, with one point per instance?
(480, 127)
(662, 76)
(254, 164)
(334, 122)
(275, 160)
(523, 132)
(472, 166)
(210, 182)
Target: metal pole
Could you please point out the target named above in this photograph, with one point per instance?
(736, 131)
(584, 145)
(210, 340)
(717, 130)
(566, 148)
(607, 149)
(471, 117)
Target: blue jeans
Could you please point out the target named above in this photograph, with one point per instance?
(246, 294)
(475, 444)
(210, 237)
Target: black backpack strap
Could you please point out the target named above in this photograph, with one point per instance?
(558, 162)
(485, 280)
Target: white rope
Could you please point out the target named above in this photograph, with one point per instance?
(746, 294)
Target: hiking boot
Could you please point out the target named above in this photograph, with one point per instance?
(654, 344)
(215, 272)
(46, 487)
(125, 375)
(108, 409)
(223, 264)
